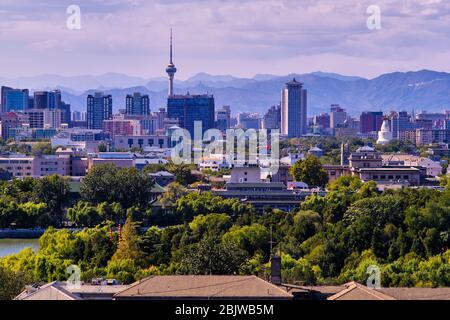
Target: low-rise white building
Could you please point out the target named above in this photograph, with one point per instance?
(434, 168)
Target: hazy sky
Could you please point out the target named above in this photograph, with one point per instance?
(238, 37)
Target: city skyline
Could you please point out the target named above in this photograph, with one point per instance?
(212, 38)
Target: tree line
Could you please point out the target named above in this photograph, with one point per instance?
(327, 240)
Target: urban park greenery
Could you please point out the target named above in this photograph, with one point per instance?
(328, 239)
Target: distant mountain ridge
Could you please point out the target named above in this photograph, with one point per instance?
(420, 90)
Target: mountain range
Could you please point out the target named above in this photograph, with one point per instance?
(420, 90)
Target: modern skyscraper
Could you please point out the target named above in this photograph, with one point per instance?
(137, 104)
(99, 108)
(371, 121)
(3, 91)
(293, 109)
(272, 118)
(78, 116)
(54, 99)
(337, 116)
(47, 99)
(14, 99)
(41, 100)
(65, 113)
(322, 120)
(223, 116)
(161, 115)
(171, 70)
(190, 108)
(400, 122)
(44, 118)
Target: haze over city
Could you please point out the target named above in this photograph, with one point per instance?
(242, 38)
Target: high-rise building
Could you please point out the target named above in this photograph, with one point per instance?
(122, 127)
(190, 108)
(161, 114)
(9, 120)
(65, 113)
(272, 118)
(171, 70)
(371, 121)
(293, 109)
(3, 91)
(437, 119)
(30, 102)
(99, 108)
(14, 99)
(78, 116)
(47, 99)
(248, 120)
(41, 100)
(322, 120)
(44, 118)
(400, 122)
(223, 116)
(54, 99)
(137, 104)
(337, 116)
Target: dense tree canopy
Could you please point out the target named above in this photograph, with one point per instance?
(328, 239)
(309, 171)
(127, 186)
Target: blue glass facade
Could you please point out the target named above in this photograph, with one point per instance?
(16, 100)
(190, 108)
(137, 104)
(99, 108)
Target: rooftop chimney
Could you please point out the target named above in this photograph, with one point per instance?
(275, 266)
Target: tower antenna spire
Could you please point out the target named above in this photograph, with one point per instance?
(171, 62)
(171, 69)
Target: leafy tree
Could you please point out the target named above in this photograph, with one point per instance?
(211, 256)
(174, 191)
(309, 171)
(84, 215)
(102, 147)
(182, 173)
(11, 283)
(154, 167)
(348, 184)
(127, 186)
(124, 270)
(42, 148)
(305, 225)
(54, 192)
(211, 224)
(20, 189)
(129, 246)
(196, 203)
(249, 238)
(299, 271)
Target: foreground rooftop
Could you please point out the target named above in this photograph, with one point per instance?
(203, 287)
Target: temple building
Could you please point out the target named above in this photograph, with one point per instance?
(385, 134)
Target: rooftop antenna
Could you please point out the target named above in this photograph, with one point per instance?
(271, 242)
(171, 46)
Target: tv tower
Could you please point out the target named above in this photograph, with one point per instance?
(171, 70)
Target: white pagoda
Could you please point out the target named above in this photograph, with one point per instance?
(385, 134)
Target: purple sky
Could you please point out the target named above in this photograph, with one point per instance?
(238, 37)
